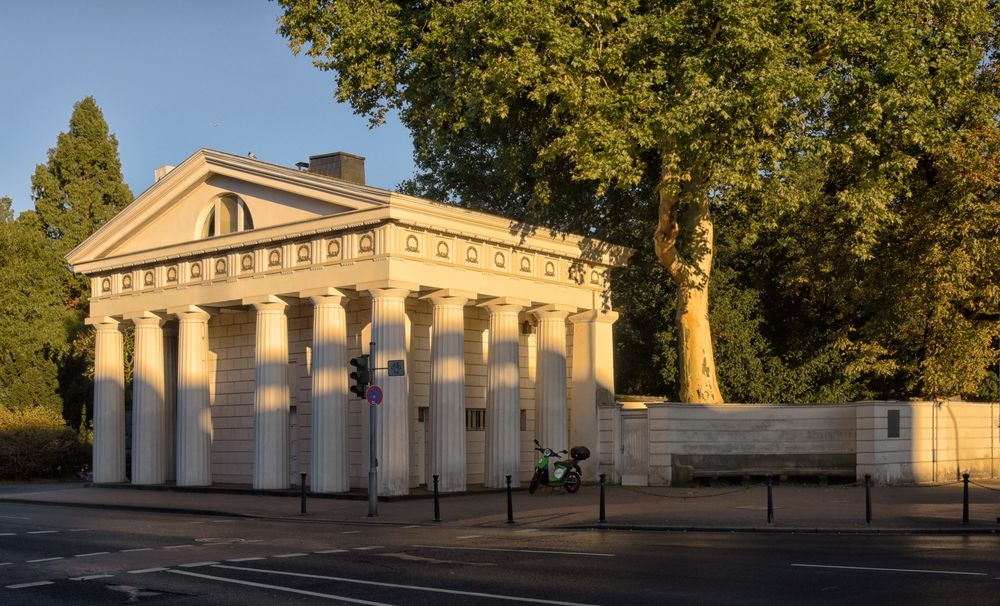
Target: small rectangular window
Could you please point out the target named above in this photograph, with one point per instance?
(422, 414)
(893, 423)
(524, 420)
(475, 419)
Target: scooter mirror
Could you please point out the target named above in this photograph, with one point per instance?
(536, 443)
(562, 452)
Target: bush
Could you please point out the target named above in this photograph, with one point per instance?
(35, 443)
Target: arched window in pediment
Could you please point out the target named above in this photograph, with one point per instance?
(227, 214)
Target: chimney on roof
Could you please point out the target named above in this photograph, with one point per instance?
(341, 165)
(161, 172)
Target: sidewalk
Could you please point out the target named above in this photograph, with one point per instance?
(797, 508)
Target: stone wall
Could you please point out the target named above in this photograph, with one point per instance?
(895, 442)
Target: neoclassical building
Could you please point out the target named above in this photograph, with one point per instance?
(250, 286)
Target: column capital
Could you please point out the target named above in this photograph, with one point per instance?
(325, 295)
(388, 293)
(449, 297)
(104, 323)
(505, 302)
(267, 302)
(192, 311)
(594, 316)
(387, 285)
(553, 311)
(146, 318)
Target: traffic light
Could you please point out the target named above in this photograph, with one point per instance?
(362, 376)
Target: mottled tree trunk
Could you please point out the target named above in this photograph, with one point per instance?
(684, 245)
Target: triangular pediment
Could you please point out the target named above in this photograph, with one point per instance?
(173, 210)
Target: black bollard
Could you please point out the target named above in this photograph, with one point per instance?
(603, 519)
(437, 505)
(965, 500)
(510, 504)
(868, 499)
(302, 488)
(770, 502)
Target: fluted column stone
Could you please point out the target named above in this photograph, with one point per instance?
(194, 415)
(551, 410)
(503, 396)
(329, 459)
(447, 397)
(392, 436)
(593, 381)
(170, 399)
(149, 456)
(271, 398)
(109, 401)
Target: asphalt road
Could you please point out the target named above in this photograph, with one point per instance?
(64, 555)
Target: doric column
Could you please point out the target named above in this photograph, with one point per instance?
(550, 377)
(109, 401)
(593, 381)
(149, 455)
(271, 399)
(393, 436)
(194, 415)
(503, 394)
(170, 399)
(447, 398)
(329, 463)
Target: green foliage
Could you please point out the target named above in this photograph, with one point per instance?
(847, 148)
(33, 300)
(35, 443)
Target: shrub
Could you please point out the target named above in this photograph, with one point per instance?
(35, 443)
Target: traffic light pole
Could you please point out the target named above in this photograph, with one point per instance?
(372, 453)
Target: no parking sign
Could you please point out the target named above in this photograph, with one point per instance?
(374, 395)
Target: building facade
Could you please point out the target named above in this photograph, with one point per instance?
(250, 286)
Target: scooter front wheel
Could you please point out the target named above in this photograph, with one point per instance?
(572, 482)
(535, 480)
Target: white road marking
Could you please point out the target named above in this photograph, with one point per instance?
(244, 559)
(494, 596)
(145, 570)
(177, 546)
(14, 518)
(351, 532)
(6, 563)
(137, 549)
(324, 551)
(580, 553)
(197, 564)
(42, 531)
(278, 588)
(526, 530)
(43, 560)
(7, 534)
(91, 577)
(971, 574)
(23, 585)
(469, 536)
(93, 553)
(78, 530)
(290, 555)
(367, 548)
(410, 526)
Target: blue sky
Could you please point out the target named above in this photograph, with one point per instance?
(172, 77)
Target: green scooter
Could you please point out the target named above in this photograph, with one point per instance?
(565, 474)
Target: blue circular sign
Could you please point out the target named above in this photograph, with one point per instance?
(374, 395)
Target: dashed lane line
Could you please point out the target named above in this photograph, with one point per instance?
(469, 536)
(14, 518)
(351, 532)
(42, 531)
(197, 564)
(177, 546)
(91, 577)
(541, 551)
(324, 551)
(78, 530)
(494, 596)
(26, 585)
(369, 547)
(290, 555)
(145, 570)
(42, 560)
(525, 530)
(136, 549)
(243, 559)
(410, 526)
(8, 534)
(874, 569)
(6, 563)
(93, 553)
(279, 588)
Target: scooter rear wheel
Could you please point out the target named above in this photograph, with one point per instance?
(535, 480)
(572, 482)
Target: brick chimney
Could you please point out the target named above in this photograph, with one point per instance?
(341, 165)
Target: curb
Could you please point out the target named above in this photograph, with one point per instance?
(784, 529)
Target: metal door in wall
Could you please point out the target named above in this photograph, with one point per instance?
(635, 448)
